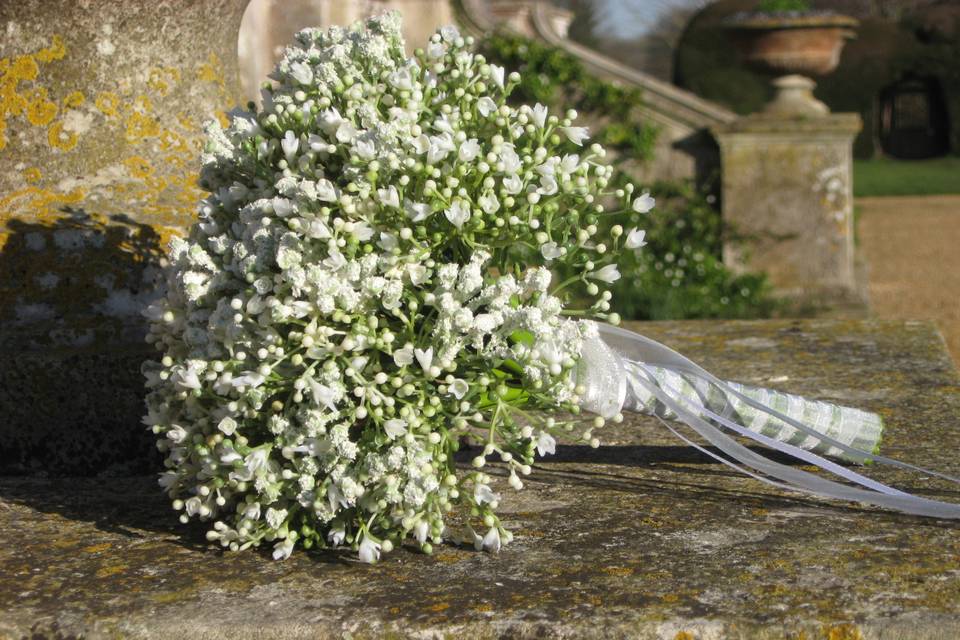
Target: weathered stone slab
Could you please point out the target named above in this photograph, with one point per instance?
(641, 538)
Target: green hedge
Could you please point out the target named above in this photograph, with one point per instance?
(554, 77)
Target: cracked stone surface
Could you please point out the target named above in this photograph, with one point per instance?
(642, 538)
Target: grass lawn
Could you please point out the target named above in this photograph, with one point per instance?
(906, 177)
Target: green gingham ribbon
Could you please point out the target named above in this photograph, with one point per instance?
(620, 370)
(853, 427)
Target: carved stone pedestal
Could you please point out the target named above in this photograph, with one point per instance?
(788, 202)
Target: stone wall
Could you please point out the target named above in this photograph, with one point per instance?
(100, 130)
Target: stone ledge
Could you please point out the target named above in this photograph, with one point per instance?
(797, 127)
(642, 538)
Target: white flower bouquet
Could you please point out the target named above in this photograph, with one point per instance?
(369, 288)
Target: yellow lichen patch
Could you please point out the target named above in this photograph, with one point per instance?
(97, 548)
(108, 103)
(55, 51)
(139, 167)
(842, 632)
(106, 572)
(32, 175)
(13, 104)
(40, 110)
(24, 68)
(176, 144)
(74, 100)
(617, 571)
(60, 138)
(211, 70)
(162, 79)
(142, 104)
(684, 635)
(140, 126)
(40, 204)
(35, 103)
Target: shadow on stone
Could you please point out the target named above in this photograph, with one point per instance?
(687, 474)
(72, 289)
(134, 508)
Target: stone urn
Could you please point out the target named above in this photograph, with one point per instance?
(792, 46)
(102, 104)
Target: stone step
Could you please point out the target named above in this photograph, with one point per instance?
(641, 538)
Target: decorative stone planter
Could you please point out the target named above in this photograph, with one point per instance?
(100, 130)
(792, 46)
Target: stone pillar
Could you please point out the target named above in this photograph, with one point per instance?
(788, 203)
(101, 110)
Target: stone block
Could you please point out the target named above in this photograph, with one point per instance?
(101, 107)
(642, 538)
(788, 203)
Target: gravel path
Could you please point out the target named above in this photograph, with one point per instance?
(912, 249)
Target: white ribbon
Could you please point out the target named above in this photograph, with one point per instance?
(619, 370)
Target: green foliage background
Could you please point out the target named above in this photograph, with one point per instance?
(679, 274)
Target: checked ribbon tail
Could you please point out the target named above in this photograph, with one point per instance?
(623, 371)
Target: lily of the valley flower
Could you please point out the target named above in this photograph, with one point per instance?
(550, 251)
(420, 531)
(459, 388)
(468, 150)
(337, 535)
(417, 211)
(458, 213)
(576, 135)
(497, 73)
(395, 428)
(369, 550)
(635, 239)
(389, 197)
(424, 357)
(546, 443)
(483, 493)
(486, 106)
(491, 541)
(403, 357)
(283, 549)
(644, 203)
(608, 273)
(290, 145)
(539, 115)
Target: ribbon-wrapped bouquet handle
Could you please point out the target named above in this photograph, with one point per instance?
(394, 281)
(623, 371)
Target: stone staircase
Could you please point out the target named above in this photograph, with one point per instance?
(685, 148)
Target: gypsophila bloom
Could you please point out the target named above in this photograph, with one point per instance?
(365, 292)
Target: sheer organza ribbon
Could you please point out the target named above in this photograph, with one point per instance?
(623, 371)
